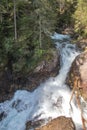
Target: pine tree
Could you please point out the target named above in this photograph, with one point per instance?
(80, 17)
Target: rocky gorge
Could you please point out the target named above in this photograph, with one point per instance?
(41, 73)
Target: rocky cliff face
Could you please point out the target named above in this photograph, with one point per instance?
(77, 76)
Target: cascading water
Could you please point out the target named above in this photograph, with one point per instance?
(49, 100)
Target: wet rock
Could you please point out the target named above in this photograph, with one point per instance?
(82, 44)
(34, 124)
(2, 116)
(19, 105)
(60, 123)
(77, 76)
(68, 30)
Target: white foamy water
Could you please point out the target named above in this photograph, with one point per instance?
(57, 36)
(49, 100)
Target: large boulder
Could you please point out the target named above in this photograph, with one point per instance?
(77, 76)
(60, 123)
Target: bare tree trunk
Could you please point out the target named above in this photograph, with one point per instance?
(40, 39)
(0, 14)
(1, 17)
(7, 4)
(15, 21)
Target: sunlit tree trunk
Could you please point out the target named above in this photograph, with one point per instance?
(15, 21)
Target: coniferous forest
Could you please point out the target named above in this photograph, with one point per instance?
(26, 26)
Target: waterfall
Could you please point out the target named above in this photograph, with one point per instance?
(49, 100)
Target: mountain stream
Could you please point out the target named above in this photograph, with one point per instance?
(49, 100)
